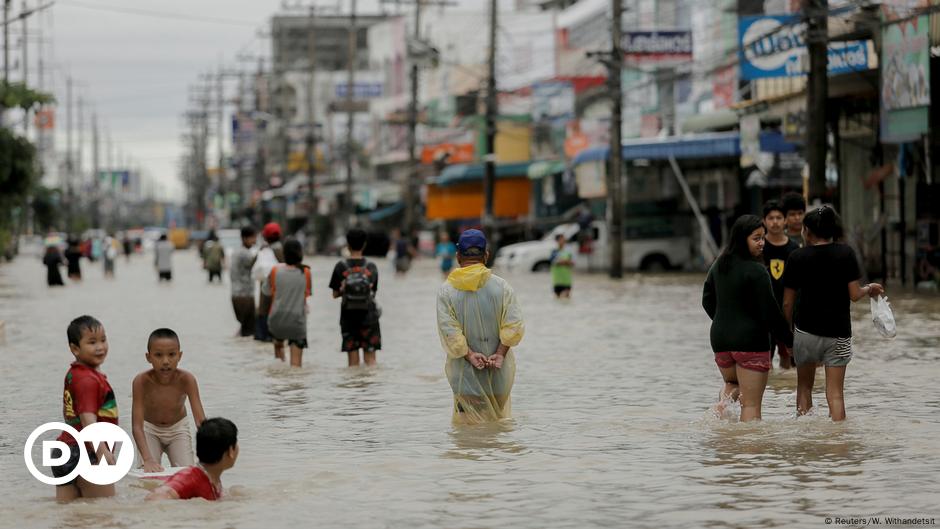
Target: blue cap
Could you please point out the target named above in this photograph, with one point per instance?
(469, 241)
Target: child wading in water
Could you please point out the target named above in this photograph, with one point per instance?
(562, 263)
(289, 286)
(88, 398)
(356, 281)
(826, 276)
(739, 299)
(217, 448)
(158, 416)
(446, 250)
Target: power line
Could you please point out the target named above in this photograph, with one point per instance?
(157, 14)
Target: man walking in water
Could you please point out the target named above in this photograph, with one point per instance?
(478, 320)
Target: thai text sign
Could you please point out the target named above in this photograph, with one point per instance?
(775, 46)
(657, 45)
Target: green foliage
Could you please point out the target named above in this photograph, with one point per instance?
(46, 208)
(18, 95)
(17, 168)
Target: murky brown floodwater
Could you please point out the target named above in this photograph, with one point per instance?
(611, 425)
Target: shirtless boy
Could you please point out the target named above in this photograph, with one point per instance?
(158, 416)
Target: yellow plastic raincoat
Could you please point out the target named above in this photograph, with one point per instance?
(477, 311)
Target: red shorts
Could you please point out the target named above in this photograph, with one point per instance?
(748, 360)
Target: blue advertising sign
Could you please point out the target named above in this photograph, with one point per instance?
(775, 46)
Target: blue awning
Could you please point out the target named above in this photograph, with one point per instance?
(386, 212)
(716, 145)
(463, 173)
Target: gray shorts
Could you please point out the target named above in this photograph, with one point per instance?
(830, 352)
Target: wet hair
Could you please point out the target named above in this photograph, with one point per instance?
(213, 438)
(248, 231)
(79, 325)
(824, 223)
(356, 239)
(163, 333)
(737, 241)
(773, 205)
(792, 201)
(293, 252)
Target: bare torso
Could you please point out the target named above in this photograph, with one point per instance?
(164, 400)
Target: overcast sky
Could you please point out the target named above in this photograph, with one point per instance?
(134, 68)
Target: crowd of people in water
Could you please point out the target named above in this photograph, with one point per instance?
(782, 285)
(479, 322)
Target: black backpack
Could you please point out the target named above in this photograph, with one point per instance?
(357, 294)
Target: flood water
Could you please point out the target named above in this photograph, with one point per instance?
(611, 423)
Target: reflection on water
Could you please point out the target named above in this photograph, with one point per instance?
(611, 423)
(480, 442)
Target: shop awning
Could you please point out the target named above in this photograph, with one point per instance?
(715, 145)
(464, 173)
(539, 170)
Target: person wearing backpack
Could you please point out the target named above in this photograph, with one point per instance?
(356, 280)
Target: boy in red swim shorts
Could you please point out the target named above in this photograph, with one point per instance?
(217, 450)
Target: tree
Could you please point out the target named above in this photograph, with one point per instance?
(18, 95)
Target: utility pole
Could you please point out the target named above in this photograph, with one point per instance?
(817, 36)
(411, 199)
(6, 41)
(68, 154)
(350, 114)
(25, 43)
(95, 153)
(489, 158)
(311, 130)
(220, 135)
(614, 193)
(80, 147)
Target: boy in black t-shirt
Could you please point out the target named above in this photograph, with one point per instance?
(356, 280)
(777, 248)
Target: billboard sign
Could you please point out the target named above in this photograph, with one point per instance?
(775, 46)
(905, 78)
(553, 101)
(656, 46)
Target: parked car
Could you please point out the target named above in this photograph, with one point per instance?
(639, 253)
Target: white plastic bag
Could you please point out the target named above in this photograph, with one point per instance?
(882, 317)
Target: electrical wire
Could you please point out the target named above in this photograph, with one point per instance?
(155, 14)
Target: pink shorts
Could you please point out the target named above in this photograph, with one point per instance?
(754, 361)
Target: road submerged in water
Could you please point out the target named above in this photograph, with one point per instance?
(611, 423)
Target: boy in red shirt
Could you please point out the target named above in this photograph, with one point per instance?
(88, 398)
(217, 450)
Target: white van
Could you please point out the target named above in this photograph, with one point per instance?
(651, 254)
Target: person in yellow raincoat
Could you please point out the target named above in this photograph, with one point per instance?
(478, 320)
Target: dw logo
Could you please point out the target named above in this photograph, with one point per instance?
(102, 473)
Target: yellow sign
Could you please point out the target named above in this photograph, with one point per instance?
(297, 161)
